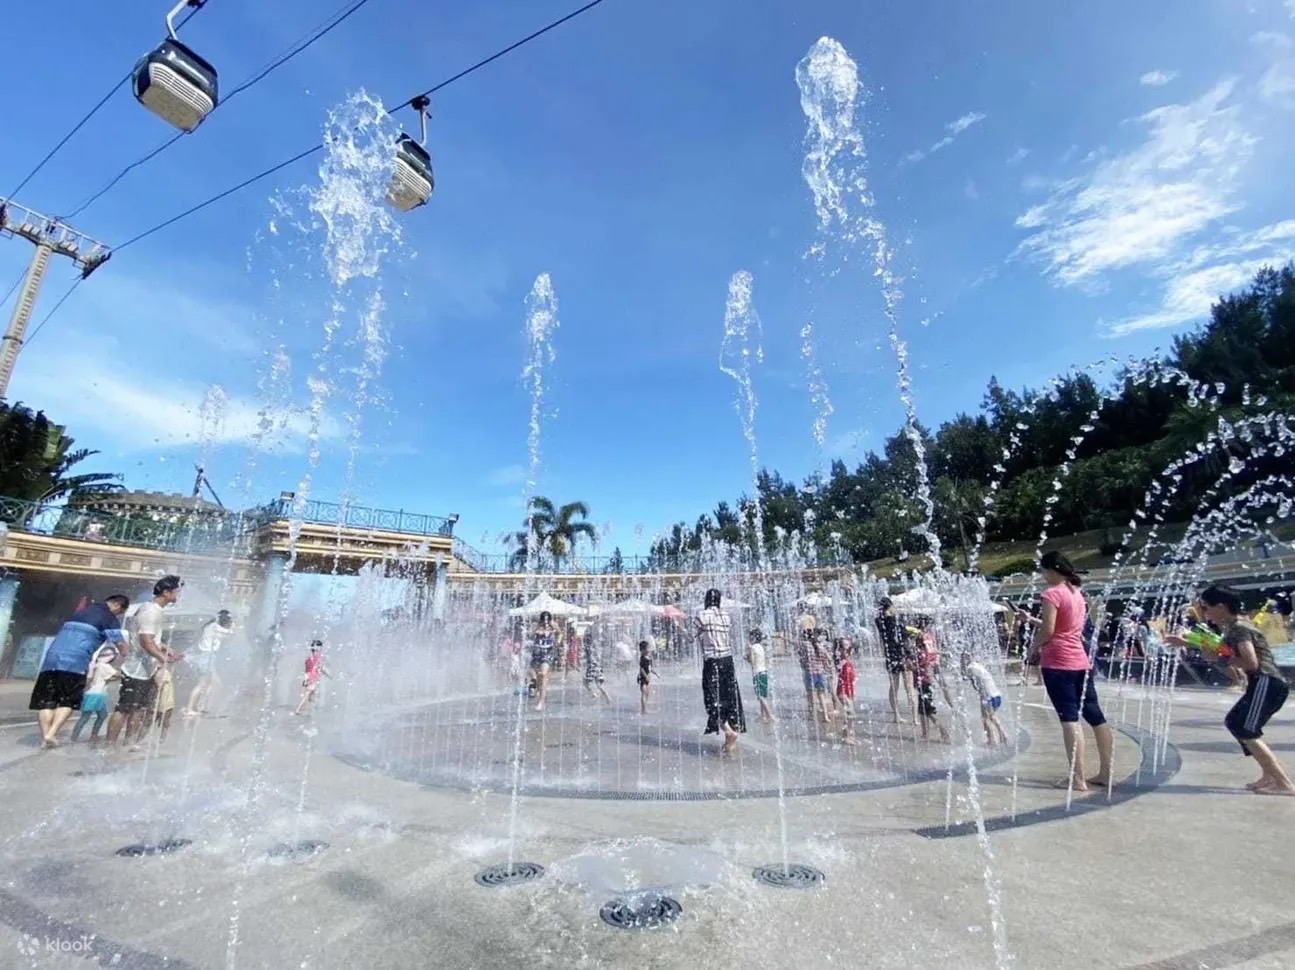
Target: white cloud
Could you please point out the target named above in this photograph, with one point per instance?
(953, 129)
(1271, 38)
(138, 408)
(970, 190)
(1210, 271)
(1157, 79)
(1018, 156)
(1141, 206)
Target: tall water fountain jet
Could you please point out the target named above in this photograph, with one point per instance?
(741, 347)
(836, 170)
(541, 323)
(358, 232)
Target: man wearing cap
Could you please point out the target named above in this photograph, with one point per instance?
(138, 694)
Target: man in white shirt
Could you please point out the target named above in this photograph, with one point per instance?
(138, 695)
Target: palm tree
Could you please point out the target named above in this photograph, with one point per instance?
(36, 458)
(556, 530)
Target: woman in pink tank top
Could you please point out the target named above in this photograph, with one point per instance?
(1067, 670)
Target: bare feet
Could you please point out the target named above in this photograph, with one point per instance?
(1263, 782)
(1274, 790)
(1099, 782)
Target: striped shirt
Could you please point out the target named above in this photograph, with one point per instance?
(715, 633)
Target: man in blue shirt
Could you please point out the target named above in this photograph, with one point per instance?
(58, 689)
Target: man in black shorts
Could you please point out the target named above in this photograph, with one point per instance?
(138, 695)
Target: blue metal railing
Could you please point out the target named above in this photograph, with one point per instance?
(357, 517)
(179, 530)
(171, 531)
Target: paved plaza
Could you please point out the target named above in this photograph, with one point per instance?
(1176, 869)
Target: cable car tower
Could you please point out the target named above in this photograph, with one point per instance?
(51, 237)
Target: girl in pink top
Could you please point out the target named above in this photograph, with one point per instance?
(1059, 645)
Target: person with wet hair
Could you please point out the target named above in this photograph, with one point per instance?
(720, 693)
(544, 641)
(1266, 688)
(1067, 670)
(899, 667)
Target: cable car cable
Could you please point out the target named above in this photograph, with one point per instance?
(317, 33)
(495, 56)
(21, 276)
(310, 151)
(53, 310)
(91, 113)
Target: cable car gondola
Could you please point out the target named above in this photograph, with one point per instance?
(411, 181)
(175, 83)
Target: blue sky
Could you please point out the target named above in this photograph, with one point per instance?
(1061, 185)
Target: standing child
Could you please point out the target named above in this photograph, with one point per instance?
(594, 670)
(645, 674)
(94, 702)
(845, 689)
(820, 660)
(314, 671)
(923, 681)
(759, 662)
(990, 699)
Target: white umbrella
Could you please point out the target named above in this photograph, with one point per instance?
(631, 608)
(816, 599)
(544, 603)
(916, 600)
(927, 601)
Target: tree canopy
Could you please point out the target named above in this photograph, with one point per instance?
(37, 459)
(1083, 453)
(555, 530)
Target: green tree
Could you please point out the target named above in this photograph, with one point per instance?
(556, 530)
(37, 460)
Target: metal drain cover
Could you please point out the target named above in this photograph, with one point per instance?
(506, 875)
(793, 876)
(153, 848)
(648, 912)
(297, 850)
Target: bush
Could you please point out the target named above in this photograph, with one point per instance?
(1025, 564)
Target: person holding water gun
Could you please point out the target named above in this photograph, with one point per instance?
(1204, 639)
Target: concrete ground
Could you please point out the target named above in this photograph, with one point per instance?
(1178, 868)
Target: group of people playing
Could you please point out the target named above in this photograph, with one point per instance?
(113, 642)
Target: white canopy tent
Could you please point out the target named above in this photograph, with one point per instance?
(922, 600)
(544, 603)
(817, 600)
(630, 608)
